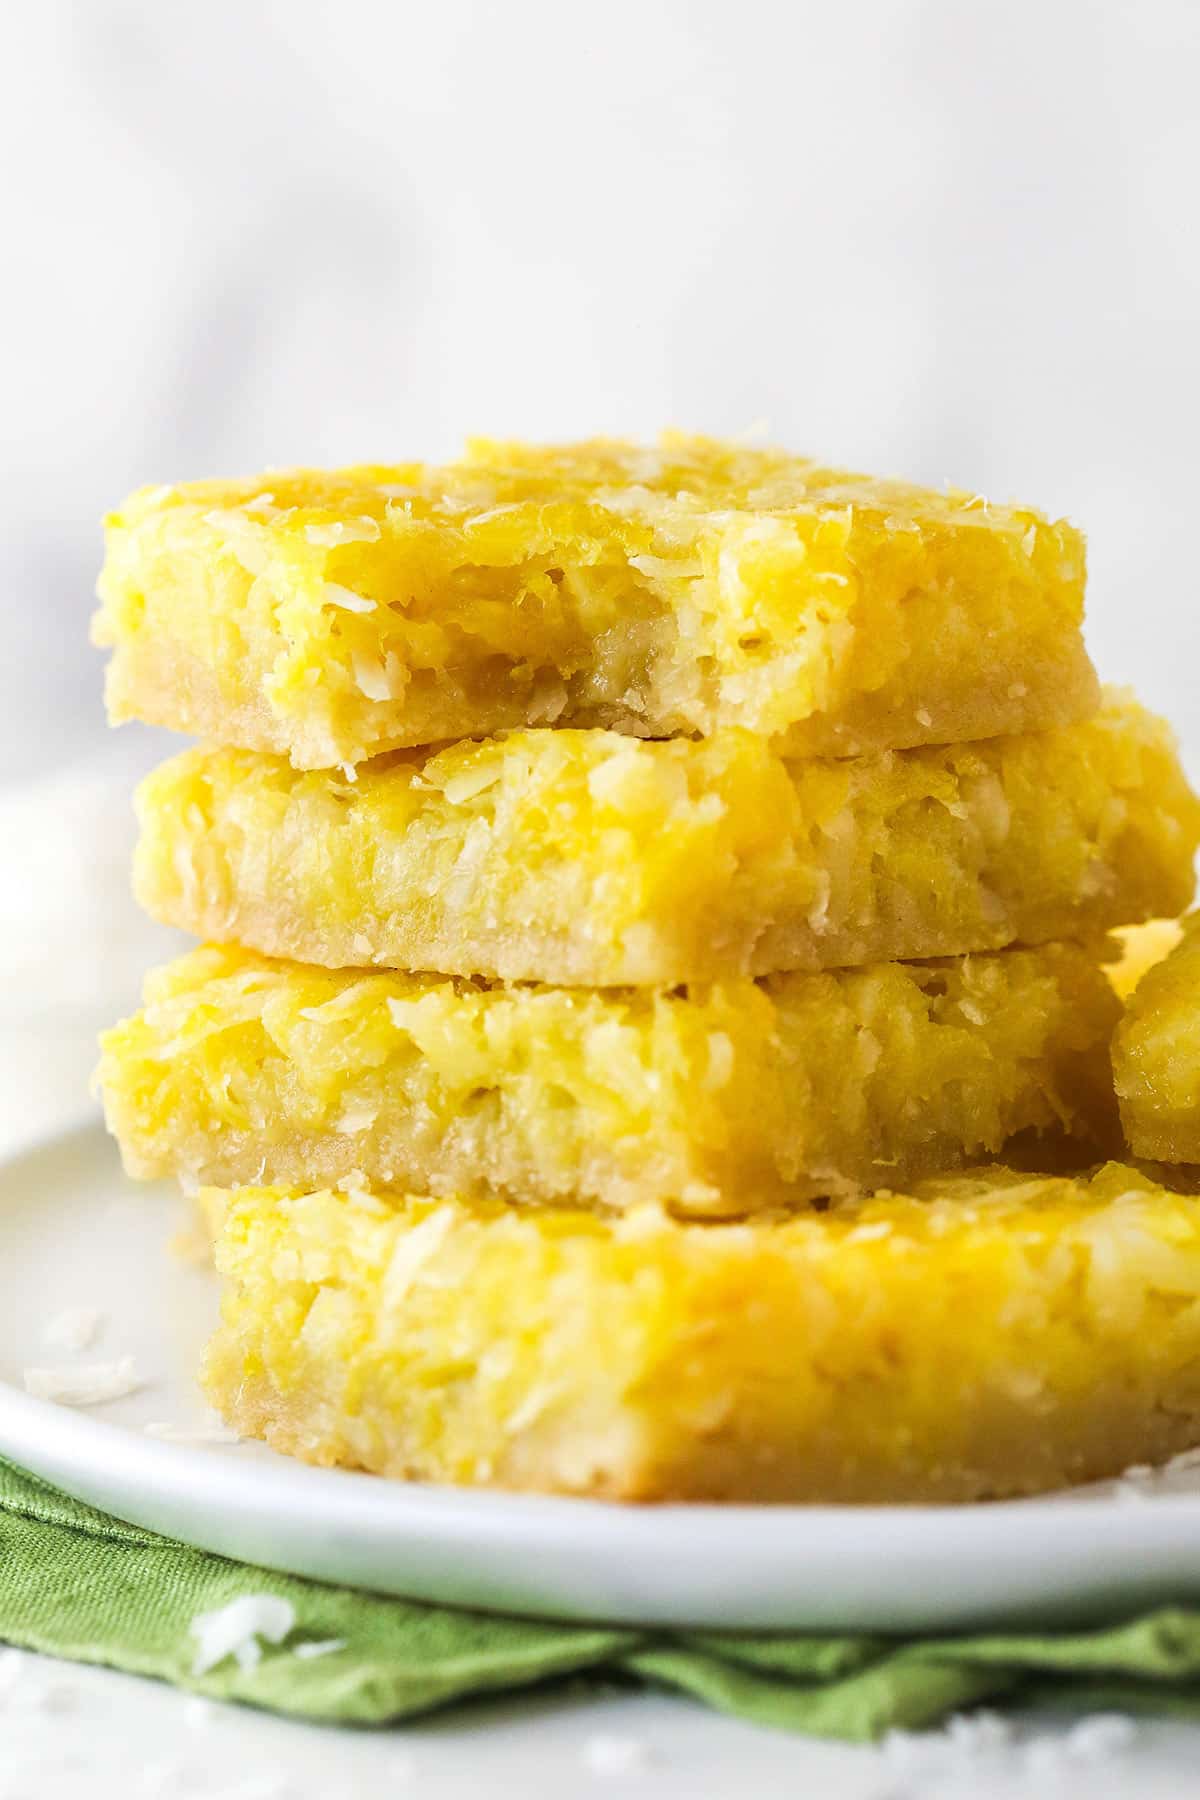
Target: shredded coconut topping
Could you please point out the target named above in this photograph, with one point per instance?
(347, 599)
(472, 781)
(343, 531)
(369, 673)
(412, 1251)
(662, 567)
(352, 1120)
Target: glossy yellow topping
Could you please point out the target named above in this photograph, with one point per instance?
(985, 1335)
(714, 1099)
(327, 616)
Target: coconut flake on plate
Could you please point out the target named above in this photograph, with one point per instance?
(90, 1385)
(75, 1328)
(212, 1430)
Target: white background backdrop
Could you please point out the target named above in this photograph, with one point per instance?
(940, 239)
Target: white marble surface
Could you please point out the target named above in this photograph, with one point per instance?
(70, 1732)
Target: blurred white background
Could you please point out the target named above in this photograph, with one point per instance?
(937, 239)
(931, 238)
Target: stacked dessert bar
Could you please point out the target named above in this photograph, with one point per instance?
(644, 892)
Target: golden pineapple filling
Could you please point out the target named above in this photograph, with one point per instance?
(1156, 1056)
(588, 858)
(989, 1334)
(327, 617)
(714, 1100)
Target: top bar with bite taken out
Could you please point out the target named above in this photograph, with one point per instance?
(327, 617)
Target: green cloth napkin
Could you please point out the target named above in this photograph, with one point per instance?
(76, 1583)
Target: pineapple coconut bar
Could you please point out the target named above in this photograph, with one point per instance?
(653, 1035)
(985, 1334)
(328, 617)
(717, 1101)
(1156, 1053)
(595, 860)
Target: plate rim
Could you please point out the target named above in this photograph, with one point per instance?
(362, 1518)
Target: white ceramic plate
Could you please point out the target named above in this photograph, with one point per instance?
(75, 1233)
